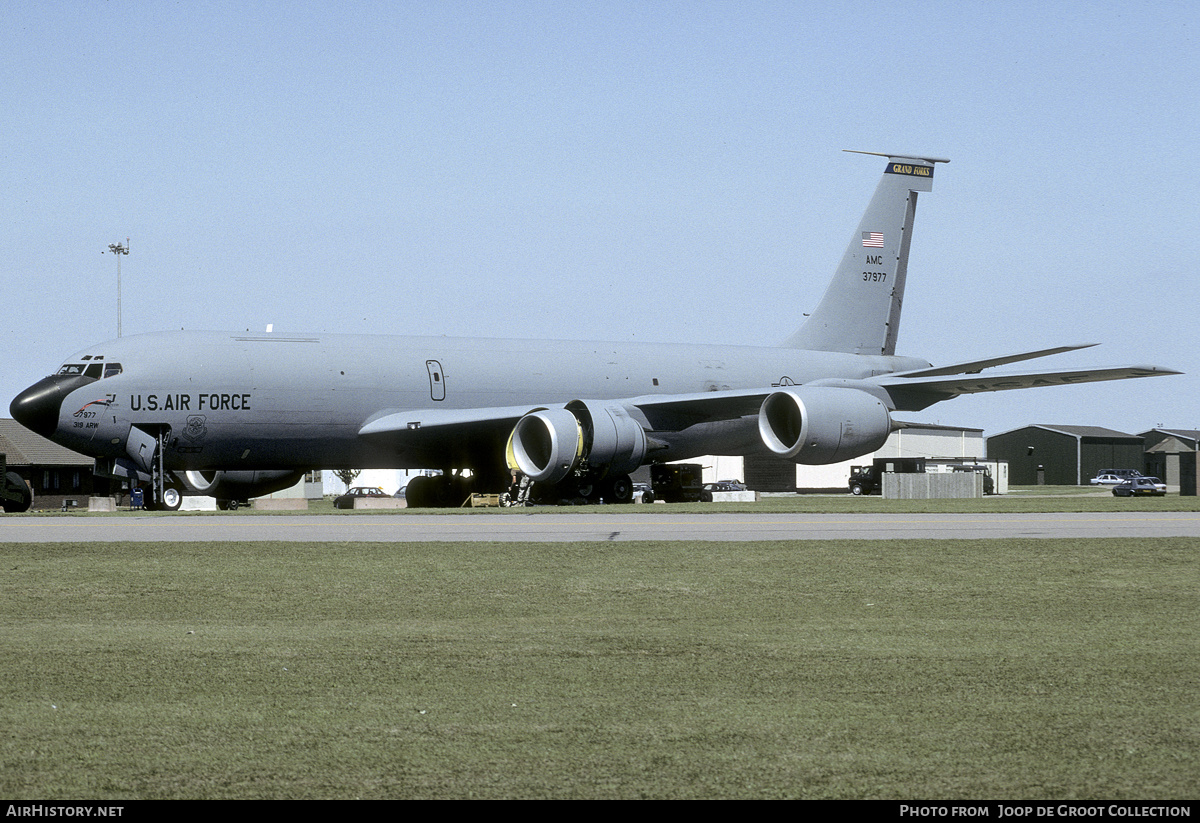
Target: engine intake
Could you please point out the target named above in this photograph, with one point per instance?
(817, 425)
(548, 444)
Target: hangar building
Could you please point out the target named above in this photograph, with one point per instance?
(1065, 455)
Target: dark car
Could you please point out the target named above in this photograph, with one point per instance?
(1140, 487)
(346, 501)
(725, 486)
(706, 494)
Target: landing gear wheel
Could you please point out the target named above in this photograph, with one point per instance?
(21, 498)
(589, 491)
(172, 499)
(619, 489)
(442, 492)
(416, 493)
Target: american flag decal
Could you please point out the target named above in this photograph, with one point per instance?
(872, 239)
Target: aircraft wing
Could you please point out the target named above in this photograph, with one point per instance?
(975, 366)
(437, 437)
(913, 391)
(442, 437)
(659, 412)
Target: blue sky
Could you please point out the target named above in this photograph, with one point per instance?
(616, 170)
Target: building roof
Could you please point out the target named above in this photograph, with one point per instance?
(1181, 434)
(905, 426)
(1076, 431)
(24, 448)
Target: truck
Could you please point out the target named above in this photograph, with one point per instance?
(869, 479)
(677, 482)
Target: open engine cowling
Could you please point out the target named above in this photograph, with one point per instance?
(549, 444)
(818, 424)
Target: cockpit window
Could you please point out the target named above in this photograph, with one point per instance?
(95, 369)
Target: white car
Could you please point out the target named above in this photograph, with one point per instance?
(1108, 479)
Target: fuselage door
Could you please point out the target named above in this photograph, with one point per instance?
(140, 447)
(437, 382)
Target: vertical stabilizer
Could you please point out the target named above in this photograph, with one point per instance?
(860, 312)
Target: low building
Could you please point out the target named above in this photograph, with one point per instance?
(1171, 456)
(55, 474)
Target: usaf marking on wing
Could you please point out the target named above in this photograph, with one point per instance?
(237, 415)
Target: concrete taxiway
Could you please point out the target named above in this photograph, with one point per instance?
(513, 526)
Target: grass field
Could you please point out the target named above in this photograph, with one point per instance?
(826, 669)
(1021, 499)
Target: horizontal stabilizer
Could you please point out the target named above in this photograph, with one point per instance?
(901, 156)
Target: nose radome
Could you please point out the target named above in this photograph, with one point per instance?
(37, 408)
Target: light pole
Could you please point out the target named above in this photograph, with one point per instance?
(118, 250)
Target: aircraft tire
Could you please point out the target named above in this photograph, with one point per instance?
(416, 493)
(619, 489)
(436, 492)
(23, 499)
(171, 501)
(458, 489)
(590, 491)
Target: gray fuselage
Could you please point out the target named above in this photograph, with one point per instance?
(276, 401)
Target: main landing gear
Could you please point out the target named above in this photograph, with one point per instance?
(439, 492)
(570, 492)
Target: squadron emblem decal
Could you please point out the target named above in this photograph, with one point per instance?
(195, 427)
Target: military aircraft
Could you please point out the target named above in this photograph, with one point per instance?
(234, 415)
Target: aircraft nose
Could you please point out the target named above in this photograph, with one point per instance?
(37, 408)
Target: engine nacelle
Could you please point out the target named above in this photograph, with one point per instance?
(200, 482)
(818, 425)
(238, 485)
(549, 444)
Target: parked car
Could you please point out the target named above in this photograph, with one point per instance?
(725, 486)
(1113, 477)
(706, 493)
(1140, 487)
(346, 501)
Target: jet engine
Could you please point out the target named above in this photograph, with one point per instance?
(238, 485)
(549, 444)
(819, 424)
